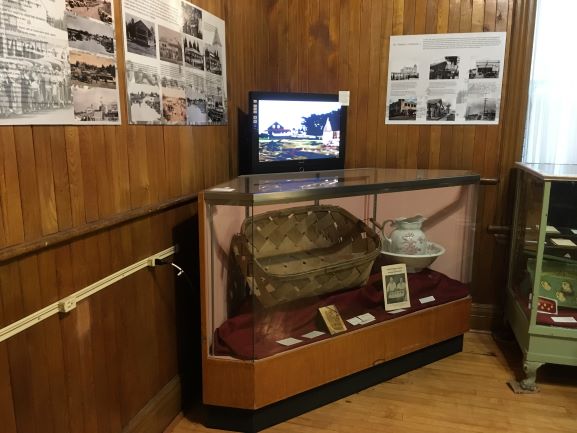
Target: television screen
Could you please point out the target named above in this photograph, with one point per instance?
(294, 132)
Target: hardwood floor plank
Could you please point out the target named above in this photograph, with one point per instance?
(465, 393)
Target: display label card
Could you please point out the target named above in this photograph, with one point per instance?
(366, 318)
(344, 97)
(395, 287)
(552, 230)
(332, 319)
(427, 299)
(354, 321)
(223, 189)
(289, 341)
(564, 319)
(563, 242)
(574, 231)
(313, 334)
(400, 310)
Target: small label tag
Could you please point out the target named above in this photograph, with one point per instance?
(564, 319)
(289, 341)
(427, 299)
(313, 334)
(354, 321)
(223, 189)
(400, 310)
(366, 318)
(344, 97)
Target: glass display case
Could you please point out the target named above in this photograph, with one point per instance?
(292, 287)
(542, 281)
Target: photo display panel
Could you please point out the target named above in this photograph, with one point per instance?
(175, 63)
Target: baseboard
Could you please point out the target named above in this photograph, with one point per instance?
(486, 317)
(158, 412)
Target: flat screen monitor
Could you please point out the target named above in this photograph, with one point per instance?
(293, 132)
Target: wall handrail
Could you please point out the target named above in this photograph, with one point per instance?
(68, 303)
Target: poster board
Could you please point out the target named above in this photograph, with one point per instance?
(175, 63)
(445, 78)
(58, 63)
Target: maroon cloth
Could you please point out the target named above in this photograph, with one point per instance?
(254, 332)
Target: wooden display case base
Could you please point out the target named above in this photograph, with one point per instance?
(409, 340)
(246, 420)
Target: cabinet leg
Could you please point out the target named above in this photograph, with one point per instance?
(530, 368)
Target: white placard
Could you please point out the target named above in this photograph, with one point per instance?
(564, 319)
(344, 97)
(354, 321)
(563, 242)
(289, 341)
(445, 78)
(427, 300)
(366, 318)
(313, 334)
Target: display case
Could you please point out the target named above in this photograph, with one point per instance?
(542, 282)
(292, 289)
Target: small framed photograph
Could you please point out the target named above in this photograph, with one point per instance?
(332, 319)
(395, 287)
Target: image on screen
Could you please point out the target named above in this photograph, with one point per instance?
(298, 130)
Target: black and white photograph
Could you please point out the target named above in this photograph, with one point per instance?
(95, 9)
(194, 53)
(441, 109)
(481, 108)
(213, 54)
(95, 104)
(191, 20)
(94, 71)
(143, 87)
(174, 105)
(408, 72)
(395, 287)
(197, 109)
(403, 108)
(485, 69)
(215, 101)
(170, 45)
(141, 73)
(90, 35)
(140, 36)
(446, 68)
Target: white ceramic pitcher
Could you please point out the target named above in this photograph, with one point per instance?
(406, 236)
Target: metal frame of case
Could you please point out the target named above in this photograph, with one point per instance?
(258, 383)
(540, 344)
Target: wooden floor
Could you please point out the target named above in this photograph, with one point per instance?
(466, 392)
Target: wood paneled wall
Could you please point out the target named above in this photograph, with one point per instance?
(68, 195)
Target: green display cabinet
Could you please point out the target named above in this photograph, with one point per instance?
(542, 281)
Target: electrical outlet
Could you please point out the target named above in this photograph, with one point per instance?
(67, 305)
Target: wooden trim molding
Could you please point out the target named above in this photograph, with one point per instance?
(159, 412)
(12, 252)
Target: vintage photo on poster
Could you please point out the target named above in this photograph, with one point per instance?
(89, 35)
(395, 287)
(94, 9)
(443, 78)
(143, 88)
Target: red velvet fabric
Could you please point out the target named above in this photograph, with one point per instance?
(547, 319)
(254, 332)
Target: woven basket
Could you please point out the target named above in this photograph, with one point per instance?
(301, 252)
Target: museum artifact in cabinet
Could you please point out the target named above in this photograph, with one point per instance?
(292, 293)
(542, 281)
